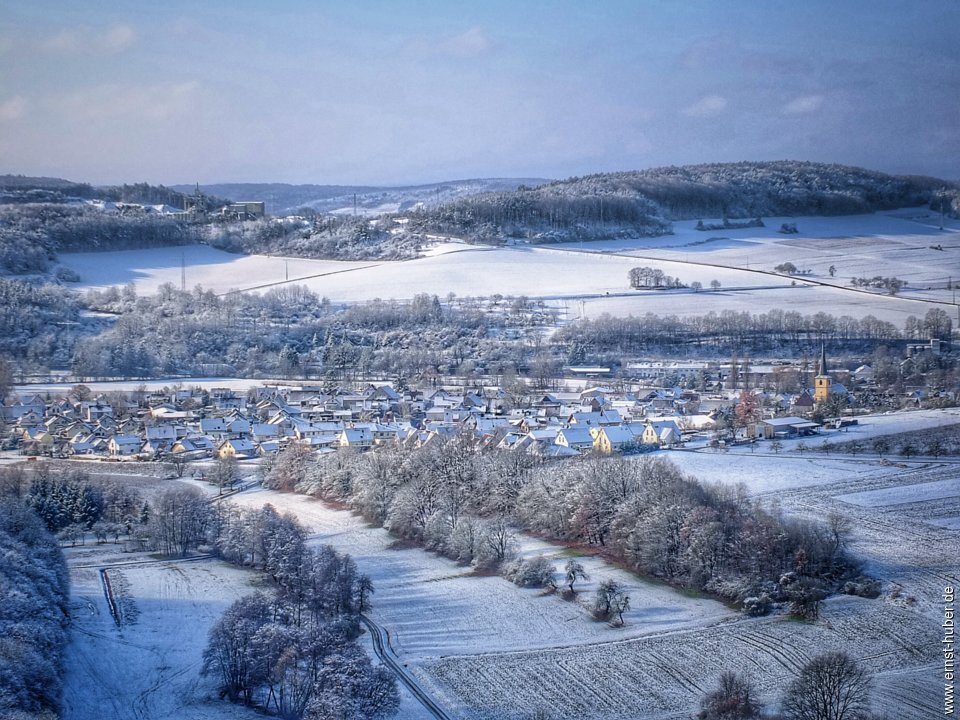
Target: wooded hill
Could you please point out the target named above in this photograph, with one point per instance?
(19, 189)
(644, 202)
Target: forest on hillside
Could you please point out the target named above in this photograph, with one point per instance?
(31, 235)
(34, 613)
(644, 202)
(36, 223)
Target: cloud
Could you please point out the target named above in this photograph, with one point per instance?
(12, 109)
(117, 38)
(114, 39)
(707, 106)
(803, 105)
(708, 52)
(470, 43)
(162, 101)
(63, 41)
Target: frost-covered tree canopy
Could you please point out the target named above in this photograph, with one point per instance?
(33, 614)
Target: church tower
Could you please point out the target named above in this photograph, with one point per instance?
(821, 383)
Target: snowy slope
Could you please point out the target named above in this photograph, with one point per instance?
(595, 274)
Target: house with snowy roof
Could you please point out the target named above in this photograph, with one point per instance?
(611, 439)
(575, 437)
(124, 445)
(239, 448)
(358, 438)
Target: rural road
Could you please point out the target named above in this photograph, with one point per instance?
(381, 646)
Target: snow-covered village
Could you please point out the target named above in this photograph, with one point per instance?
(522, 361)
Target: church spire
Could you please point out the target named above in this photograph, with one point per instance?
(821, 383)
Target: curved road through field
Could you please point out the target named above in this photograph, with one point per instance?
(381, 646)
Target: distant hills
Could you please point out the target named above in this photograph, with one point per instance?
(645, 202)
(284, 199)
(748, 189)
(26, 189)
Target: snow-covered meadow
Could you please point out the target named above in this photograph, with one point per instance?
(595, 273)
(148, 665)
(434, 607)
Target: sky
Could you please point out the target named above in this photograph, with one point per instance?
(400, 92)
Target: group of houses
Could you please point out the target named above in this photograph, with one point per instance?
(196, 424)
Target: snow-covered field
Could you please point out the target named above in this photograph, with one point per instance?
(487, 649)
(595, 273)
(664, 676)
(661, 676)
(147, 666)
(903, 494)
(434, 607)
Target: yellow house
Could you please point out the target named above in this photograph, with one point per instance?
(660, 433)
(238, 447)
(607, 440)
(39, 439)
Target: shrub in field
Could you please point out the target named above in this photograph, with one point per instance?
(535, 572)
(863, 587)
(757, 606)
(734, 699)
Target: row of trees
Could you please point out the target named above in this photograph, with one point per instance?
(459, 501)
(293, 651)
(647, 277)
(734, 331)
(892, 285)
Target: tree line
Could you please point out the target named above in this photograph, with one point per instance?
(290, 331)
(335, 237)
(610, 337)
(293, 651)
(460, 501)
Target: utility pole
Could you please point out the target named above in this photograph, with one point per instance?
(286, 266)
(354, 204)
(183, 272)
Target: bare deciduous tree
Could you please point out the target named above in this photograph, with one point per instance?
(574, 571)
(732, 700)
(830, 687)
